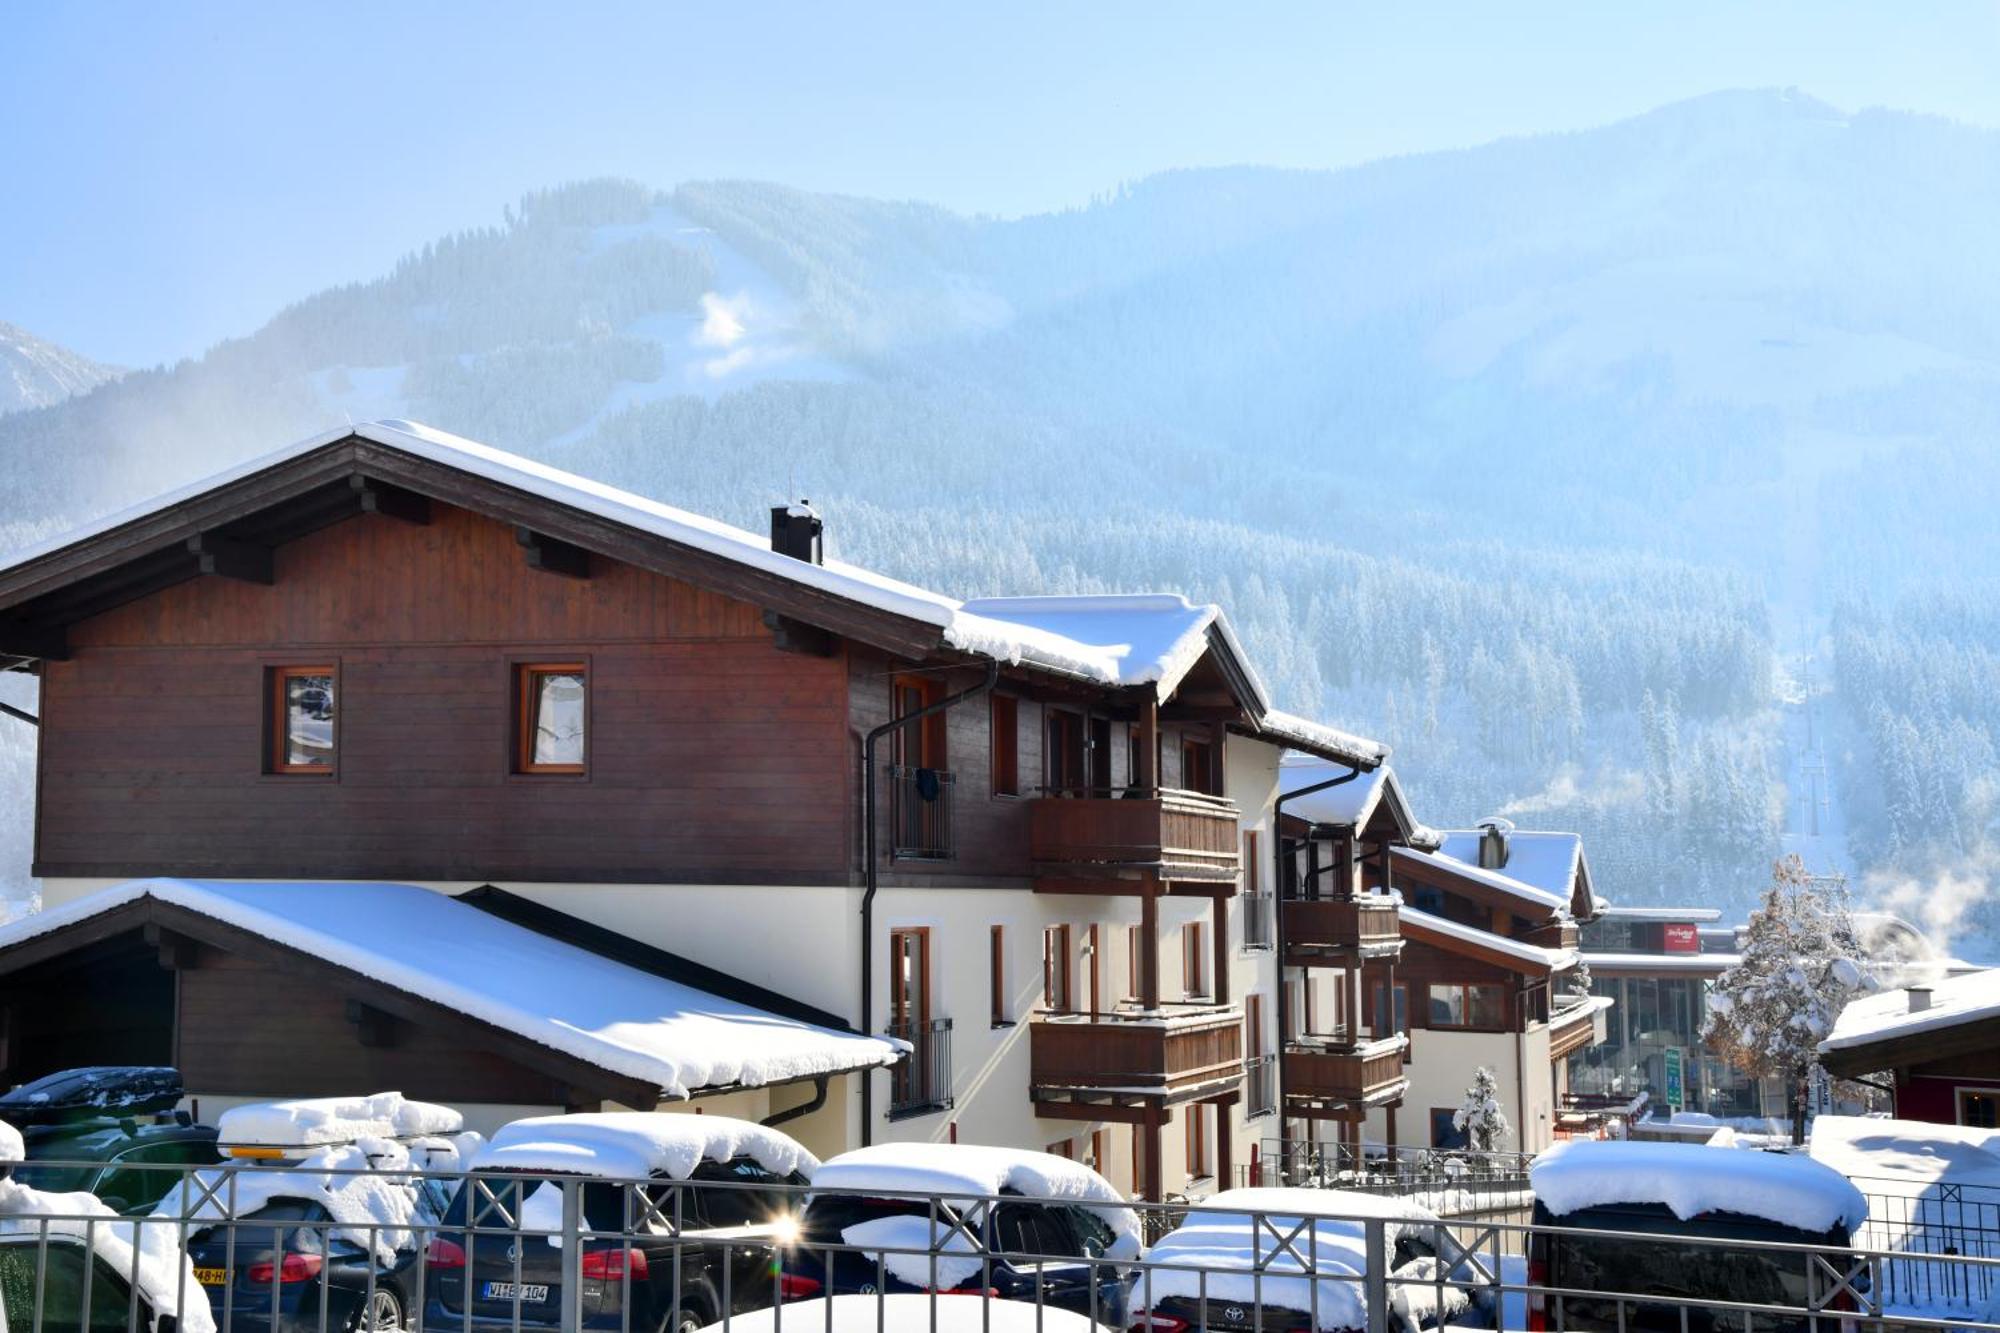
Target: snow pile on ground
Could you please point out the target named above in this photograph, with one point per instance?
(364, 1187)
(912, 1232)
(12, 1147)
(1691, 1180)
(963, 1169)
(314, 1121)
(617, 1018)
(1953, 1000)
(166, 1277)
(908, 1313)
(636, 1145)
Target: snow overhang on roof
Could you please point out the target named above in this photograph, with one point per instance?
(1146, 640)
(1681, 915)
(1887, 1016)
(1528, 896)
(1533, 959)
(638, 1029)
(1371, 804)
(1553, 862)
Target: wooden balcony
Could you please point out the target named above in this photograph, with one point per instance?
(1112, 844)
(1340, 930)
(1561, 934)
(1079, 1064)
(1340, 1081)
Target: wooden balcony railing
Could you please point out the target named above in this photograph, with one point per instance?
(1358, 1074)
(1319, 930)
(1181, 1049)
(1166, 834)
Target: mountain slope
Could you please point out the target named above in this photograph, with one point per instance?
(37, 373)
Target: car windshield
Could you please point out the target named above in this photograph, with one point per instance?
(742, 1204)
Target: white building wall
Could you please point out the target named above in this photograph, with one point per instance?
(1441, 1068)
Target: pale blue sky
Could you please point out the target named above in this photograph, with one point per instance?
(174, 174)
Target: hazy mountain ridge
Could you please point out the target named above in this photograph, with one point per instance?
(37, 373)
(1413, 423)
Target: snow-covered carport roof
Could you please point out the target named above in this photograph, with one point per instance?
(594, 1023)
(229, 523)
(1951, 1018)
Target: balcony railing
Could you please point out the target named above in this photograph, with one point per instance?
(1174, 1050)
(1318, 929)
(920, 826)
(1162, 833)
(922, 1083)
(1343, 1072)
(1260, 1085)
(1259, 922)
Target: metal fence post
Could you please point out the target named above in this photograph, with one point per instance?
(1375, 1281)
(572, 1254)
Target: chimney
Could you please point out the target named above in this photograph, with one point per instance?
(1493, 844)
(796, 531)
(1920, 998)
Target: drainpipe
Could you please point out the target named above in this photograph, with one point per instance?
(1278, 934)
(871, 872)
(21, 713)
(807, 1107)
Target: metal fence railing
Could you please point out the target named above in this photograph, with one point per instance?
(1944, 1221)
(920, 819)
(922, 1082)
(522, 1251)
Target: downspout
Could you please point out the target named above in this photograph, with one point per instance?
(21, 713)
(1278, 934)
(871, 872)
(806, 1107)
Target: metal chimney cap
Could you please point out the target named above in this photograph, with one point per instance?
(1920, 998)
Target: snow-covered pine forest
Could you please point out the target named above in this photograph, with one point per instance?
(1371, 411)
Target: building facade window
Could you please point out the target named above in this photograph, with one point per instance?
(552, 717)
(1003, 1012)
(1199, 770)
(1135, 962)
(1458, 1006)
(1197, 1141)
(1194, 959)
(1006, 722)
(304, 717)
(1979, 1108)
(1056, 969)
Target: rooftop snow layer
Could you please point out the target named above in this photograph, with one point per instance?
(320, 1120)
(620, 1019)
(1548, 861)
(964, 1169)
(1112, 640)
(636, 1145)
(1351, 804)
(1555, 960)
(1679, 914)
(1691, 1180)
(1717, 963)
(1910, 1153)
(1497, 880)
(1886, 1014)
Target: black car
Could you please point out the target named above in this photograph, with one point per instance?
(725, 1257)
(1052, 1253)
(112, 1131)
(55, 1282)
(286, 1268)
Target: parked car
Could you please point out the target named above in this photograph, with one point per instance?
(728, 1179)
(1696, 1200)
(1060, 1243)
(111, 1131)
(318, 1220)
(1226, 1238)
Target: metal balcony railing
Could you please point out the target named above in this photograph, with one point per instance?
(920, 824)
(1260, 922)
(1260, 1085)
(922, 1083)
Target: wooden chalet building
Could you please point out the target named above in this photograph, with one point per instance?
(390, 657)
(1934, 1046)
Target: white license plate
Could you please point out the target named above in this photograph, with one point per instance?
(529, 1293)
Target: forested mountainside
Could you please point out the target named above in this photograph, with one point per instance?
(35, 372)
(1533, 459)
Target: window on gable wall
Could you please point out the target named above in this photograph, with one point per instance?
(304, 738)
(551, 717)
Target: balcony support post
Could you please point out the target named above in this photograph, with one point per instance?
(1225, 1144)
(1221, 933)
(1147, 778)
(1149, 947)
(1154, 1188)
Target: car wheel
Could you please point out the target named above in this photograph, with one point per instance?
(382, 1314)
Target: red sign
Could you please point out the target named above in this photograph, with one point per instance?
(1678, 938)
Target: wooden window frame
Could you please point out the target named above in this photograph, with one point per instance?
(523, 672)
(931, 737)
(1195, 981)
(1005, 776)
(1501, 1023)
(996, 959)
(1195, 1140)
(922, 935)
(1058, 963)
(1135, 981)
(277, 734)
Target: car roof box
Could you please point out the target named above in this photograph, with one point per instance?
(95, 1093)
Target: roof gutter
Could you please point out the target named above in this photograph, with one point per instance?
(21, 713)
(871, 869)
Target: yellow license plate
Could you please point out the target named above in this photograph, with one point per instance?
(212, 1277)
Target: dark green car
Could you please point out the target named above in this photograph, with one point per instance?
(108, 1131)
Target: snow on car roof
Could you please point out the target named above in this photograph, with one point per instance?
(312, 1121)
(582, 1004)
(1691, 1179)
(908, 1312)
(961, 1169)
(359, 1184)
(634, 1145)
(165, 1275)
(1886, 1014)
(1112, 640)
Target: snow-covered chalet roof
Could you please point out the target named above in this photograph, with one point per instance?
(1690, 915)
(1147, 639)
(636, 1145)
(1886, 1015)
(1537, 957)
(1550, 861)
(1354, 803)
(613, 1017)
(1692, 1179)
(1530, 897)
(1704, 963)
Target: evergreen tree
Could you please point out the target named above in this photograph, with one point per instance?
(1480, 1117)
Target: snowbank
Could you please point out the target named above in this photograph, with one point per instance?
(316, 1121)
(614, 1017)
(165, 1277)
(963, 1169)
(1691, 1180)
(635, 1145)
(908, 1313)
(358, 1184)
